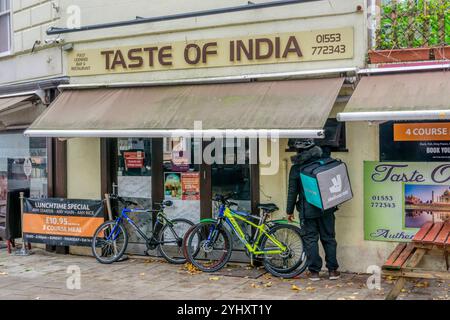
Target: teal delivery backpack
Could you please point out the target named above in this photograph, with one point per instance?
(326, 183)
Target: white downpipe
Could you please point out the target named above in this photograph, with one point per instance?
(313, 134)
(394, 115)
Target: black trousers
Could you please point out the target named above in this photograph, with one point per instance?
(322, 228)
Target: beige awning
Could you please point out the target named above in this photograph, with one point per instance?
(407, 96)
(18, 112)
(296, 106)
(7, 104)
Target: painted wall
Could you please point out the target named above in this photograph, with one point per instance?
(301, 17)
(30, 20)
(83, 169)
(354, 253)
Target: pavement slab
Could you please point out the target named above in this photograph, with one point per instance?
(47, 276)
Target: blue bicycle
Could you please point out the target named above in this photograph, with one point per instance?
(111, 238)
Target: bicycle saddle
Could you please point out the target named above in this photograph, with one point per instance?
(167, 203)
(268, 207)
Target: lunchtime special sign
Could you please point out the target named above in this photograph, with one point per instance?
(331, 44)
(61, 222)
(400, 197)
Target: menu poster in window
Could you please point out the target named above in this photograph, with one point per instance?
(415, 141)
(172, 186)
(134, 159)
(190, 183)
(400, 197)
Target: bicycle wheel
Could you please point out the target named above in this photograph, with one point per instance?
(294, 256)
(171, 240)
(287, 275)
(109, 242)
(209, 247)
(196, 246)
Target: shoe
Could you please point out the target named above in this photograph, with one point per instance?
(334, 275)
(314, 276)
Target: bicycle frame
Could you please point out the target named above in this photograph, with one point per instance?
(231, 216)
(123, 216)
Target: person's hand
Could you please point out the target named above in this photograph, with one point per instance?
(290, 217)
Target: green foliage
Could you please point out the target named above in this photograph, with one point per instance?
(414, 24)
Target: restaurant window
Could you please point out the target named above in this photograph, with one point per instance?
(23, 165)
(182, 178)
(231, 174)
(5, 27)
(335, 137)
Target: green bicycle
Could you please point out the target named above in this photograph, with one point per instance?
(208, 245)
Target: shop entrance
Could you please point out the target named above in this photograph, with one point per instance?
(148, 171)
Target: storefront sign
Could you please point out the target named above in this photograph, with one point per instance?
(302, 46)
(61, 222)
(439, 131)
(415, 141)
(399, 197)
(190, 185)
(134, 160)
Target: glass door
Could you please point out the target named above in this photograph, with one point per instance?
(232, 173)
(134, 183)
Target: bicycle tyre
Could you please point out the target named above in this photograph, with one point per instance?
(288, 275)
(192, 255)
(301, 255)
(166, 254)
(96, 237)
(185, 239)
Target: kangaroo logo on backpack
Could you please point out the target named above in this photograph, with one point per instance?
(337, 184)
(326, 183)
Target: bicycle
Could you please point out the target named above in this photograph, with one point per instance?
(208, 245)
(111, 238)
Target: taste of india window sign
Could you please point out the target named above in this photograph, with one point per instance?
(400, 197)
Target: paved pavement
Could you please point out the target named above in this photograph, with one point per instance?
(45, 275)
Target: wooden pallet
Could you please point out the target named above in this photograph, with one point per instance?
(402, 262)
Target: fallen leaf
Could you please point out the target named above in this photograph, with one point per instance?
(142, 274)
(352, 297)
(424, 284)
(214, 278)
(295, 288)
(3, 273)
(268, 284)
(191, 269)
(254, 285)
(310, 288)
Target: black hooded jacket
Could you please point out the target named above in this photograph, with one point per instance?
(296, 198)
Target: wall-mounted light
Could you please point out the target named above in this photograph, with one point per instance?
(68, 47)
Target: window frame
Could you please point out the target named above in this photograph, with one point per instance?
(10, 33)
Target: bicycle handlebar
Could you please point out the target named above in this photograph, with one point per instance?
(224, 198)
(126, 203)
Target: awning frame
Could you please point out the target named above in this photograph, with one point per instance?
(394, 115)
(270, 133)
